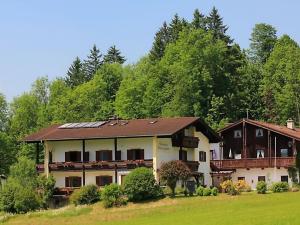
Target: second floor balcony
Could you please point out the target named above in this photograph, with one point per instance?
(231, 164)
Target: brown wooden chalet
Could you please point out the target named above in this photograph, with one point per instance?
(254, 144)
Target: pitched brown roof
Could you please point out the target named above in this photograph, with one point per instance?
(283, 130)
(122, 128)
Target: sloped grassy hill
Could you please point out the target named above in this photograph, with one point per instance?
(247, 209)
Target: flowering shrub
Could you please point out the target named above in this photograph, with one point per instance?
(242, 186)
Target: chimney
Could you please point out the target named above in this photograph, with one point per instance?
(290, 124)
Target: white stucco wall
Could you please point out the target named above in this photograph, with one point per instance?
(216, 148)
(59, 148)
(204, 167)
(251, 175)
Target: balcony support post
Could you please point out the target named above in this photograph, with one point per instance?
(115, 157)
(294, 148)
(269, 148)
(37, 159)
(46, 159)
(83, 161)
(244, 154)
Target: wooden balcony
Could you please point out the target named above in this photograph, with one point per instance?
(186, 142)
(230, 164)
(100, 165)
(193, 165)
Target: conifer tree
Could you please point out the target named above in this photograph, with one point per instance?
(216, 26)
(114, 56)
(75, 74)
(176, 26)
(93, 62)
(199, 20)
(162, 38)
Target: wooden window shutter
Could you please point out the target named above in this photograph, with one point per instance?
(129, 154)
(142, 154)
(78, 156)
(97, 155)
(67, 156)
(109, 178)
(67, 182)
(118, 155)
(98, 180)
(109, 155)
(86, 157)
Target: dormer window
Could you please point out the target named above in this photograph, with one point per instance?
(259, 132)
(237, 134)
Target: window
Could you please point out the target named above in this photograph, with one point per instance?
(135, 154)
(73, 181)
(104, 155)
(259, 132)
(237, 134)
(118, 155)
(261, 178)
(212, 154)
(73, 156)
(202, 156)
(241, 178)
(260, 153)
(284, 152)
(183, 155)
(103, 180)
(284, 179)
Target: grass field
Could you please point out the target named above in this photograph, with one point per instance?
(246, 209)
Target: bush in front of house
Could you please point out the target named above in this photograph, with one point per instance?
(214, 191)
(173, 171)
(112, 195)
(24, 190)
(229, 187)
(199, 191)
(206, 191)
(242, 186)
(280, 187)
(140, 184)
(85, 195)
(261, 187)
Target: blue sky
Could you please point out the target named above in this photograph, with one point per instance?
(39, 38)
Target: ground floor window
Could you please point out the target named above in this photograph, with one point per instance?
(241, 178)
(73, 181)
(261, 178)
(103, 180)
(284, 179)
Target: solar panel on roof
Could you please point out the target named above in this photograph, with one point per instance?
(82, 125)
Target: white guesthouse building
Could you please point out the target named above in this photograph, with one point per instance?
(77, 154)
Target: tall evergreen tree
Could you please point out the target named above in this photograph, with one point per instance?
(162, 38)
(216, 26)
(93, 62)
(3, 112)
(176, 26)
(114, 56)
(75, 74)
(199, 20)
(263, 39)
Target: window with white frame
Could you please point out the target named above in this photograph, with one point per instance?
(237, 133)
(259, 132)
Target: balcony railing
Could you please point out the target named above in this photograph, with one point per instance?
(106, 165)
(186, 142)
(228, 164)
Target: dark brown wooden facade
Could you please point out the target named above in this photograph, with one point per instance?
(249, 145)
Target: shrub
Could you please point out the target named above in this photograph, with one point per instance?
(233, 191)
(180, 191)
(226, 185)
(167, 191)
(140, 185)
(199, 191)
(112, 195)
(85, 195)
(15, 198)
(214, 191)
(261, 187)
(206, 191)
(173, 171)
(45, 187)
(242, 186)
(280, 187)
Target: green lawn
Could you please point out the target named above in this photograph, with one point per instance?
(246, 209)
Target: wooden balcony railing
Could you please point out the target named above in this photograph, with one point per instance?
(105, 165)
(193, 165)
(186, 142)
(228, 164)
